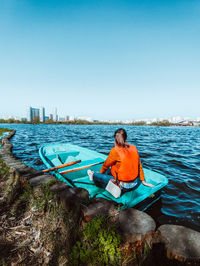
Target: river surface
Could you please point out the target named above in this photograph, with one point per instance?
(171, 151)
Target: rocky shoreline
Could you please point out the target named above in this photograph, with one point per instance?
(41, 220)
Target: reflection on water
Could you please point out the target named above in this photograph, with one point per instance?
(173, 152)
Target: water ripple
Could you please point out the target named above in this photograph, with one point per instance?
(174, 152)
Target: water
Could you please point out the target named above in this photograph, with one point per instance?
(171, 151)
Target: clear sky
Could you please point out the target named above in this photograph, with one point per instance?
(105, 59)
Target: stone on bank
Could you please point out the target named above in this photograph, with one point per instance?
(181, 243)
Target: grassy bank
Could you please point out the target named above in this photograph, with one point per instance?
(3, 130)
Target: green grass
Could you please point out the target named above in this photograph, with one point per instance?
(3, 130)
(98, 244)
(3, 168)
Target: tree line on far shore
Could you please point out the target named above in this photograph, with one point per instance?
(164, 123)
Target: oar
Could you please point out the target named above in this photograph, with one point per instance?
(79, 168)
(61, 166)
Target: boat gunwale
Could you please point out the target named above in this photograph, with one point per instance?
(163, 182)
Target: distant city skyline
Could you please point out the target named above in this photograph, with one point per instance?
(55, 112)
(39, 114)
(104, 59)
(51, 111)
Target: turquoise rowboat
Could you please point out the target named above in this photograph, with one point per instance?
(57, 154)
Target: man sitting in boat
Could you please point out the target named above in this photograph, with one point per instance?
(123, 165)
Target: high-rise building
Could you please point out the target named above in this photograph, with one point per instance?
(35, 114)
(55, 116)
(50, 117)
(42, 114)
(66, 118)
(29, 117)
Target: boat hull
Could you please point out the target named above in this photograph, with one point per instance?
(60, 153)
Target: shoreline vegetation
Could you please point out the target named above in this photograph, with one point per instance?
(164, 123)
(4, 130)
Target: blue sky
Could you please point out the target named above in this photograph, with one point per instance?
(103, 59)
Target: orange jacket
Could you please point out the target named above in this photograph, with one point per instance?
(125, 164)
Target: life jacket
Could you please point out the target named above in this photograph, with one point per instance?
(127, 169)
